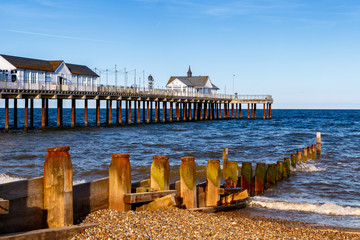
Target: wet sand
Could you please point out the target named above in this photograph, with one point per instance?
(174, 223)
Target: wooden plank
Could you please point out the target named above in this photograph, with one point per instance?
(143, 183)
(235, 197)
(4, 206)
(226, 191)
(163, 202)
(146, 196)
(220, 208)
(22, 188)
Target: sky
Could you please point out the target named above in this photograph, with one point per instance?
(306, 54)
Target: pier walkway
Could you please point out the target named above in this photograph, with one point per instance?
(176, 106)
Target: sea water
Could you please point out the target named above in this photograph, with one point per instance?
(321, 191)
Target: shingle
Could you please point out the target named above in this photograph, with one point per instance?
(35, 64)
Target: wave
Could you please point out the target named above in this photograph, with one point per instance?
(309, 167)
(328, 208)
(4, 178)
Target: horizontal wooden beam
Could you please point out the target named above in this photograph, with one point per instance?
(4, 206)
(146, 196)
(227, 191)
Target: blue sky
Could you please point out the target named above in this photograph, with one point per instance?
(304, 53)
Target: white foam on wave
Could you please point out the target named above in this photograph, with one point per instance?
(309, 167)
(328, 208)
(4, 178)
(76, 182)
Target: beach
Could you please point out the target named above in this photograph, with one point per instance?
(175, 223)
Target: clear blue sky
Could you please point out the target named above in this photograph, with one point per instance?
(305, 53)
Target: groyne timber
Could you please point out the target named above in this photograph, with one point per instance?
(140, 105)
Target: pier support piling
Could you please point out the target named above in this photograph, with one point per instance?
(59, 113)
(86, 113)
(15, 113)
(43, 101)
(26, 114)
(98, 112)
(32, 113)
(73, 112)
(6, 114)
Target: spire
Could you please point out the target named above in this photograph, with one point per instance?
(189, 73)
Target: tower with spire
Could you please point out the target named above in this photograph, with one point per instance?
(189, 73)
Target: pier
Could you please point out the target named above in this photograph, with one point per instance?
(141, 105)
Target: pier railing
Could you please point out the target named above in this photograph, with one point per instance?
(111, 89)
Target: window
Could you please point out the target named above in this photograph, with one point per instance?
(47, 77)
(33, 77)
(26, 76)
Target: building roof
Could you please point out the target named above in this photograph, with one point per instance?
(35, 64)
(195, 82)
(48, 66)
(81, 70)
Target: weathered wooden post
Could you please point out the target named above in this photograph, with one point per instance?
(246, 176)
(298, 157)
(313, 149)
(119, 181)
(271, 174)
(231, 174)
(318, 144)
(160, 173)
(293, 160)
(305, 157)
(225, 157)
(213, 177)
(58, 186)
(279, 171)
(260, 177)
(286, 173)
(309, 152)
(188, 182)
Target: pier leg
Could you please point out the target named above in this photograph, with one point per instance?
(254, 110)
(184, 111)
(32, 113)
(73, 112)
(264, 112)
(260, 177)
(58, 187)
(43, 100)
(195, 111)
(126, 111)
(318, 144)
(177, 111)
(248, 110)
(190, 112)
(211, 111)
(164, 112)
(47, 112)
(147, 112)
(86, 113)
(107, 111)
(135, 112)
(129, 114)
(246, 176)
(59, 108)
(15, 113)
(6, 114)
(233, 109)
(213, 177)
(151, 111)
(156, 112)
(270, 110)
(26, 115)
(201, 111)
(98, 112)
(160, 173)
(119, 182)
(188, 182)
(139, 112)
(220, 111)
(143, 110)
(206, 111)
(240, 111)
(171, 111)
(110, 113)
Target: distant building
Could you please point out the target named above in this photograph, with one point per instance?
(43, 74)
(192, 84)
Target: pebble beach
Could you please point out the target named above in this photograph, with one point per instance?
(175, 223)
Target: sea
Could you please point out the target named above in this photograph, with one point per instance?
(322, 191)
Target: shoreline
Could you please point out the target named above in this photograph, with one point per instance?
(175, 223)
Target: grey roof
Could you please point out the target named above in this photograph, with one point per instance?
(195, 82)
(81, 70)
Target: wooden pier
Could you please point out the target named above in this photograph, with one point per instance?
(176, 106)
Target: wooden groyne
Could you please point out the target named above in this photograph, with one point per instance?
(140, 106)
(53, 201)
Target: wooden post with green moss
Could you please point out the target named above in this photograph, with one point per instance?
(313, 149)
(160, 173)
(225, 157)
(119, 181)
(298, 157)
(309, 153)
(188, 182)
(260, 178)
(279, 171)
(271, 174)
(231, 174)
(286, 173)
(293, 160)
(318, 144)
(305, 155)
(213, 177)
(58, 188)
(246, 176)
